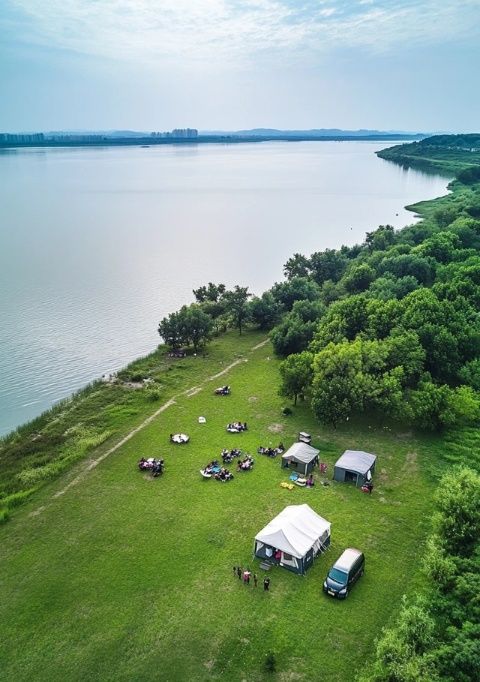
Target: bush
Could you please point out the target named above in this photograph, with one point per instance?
(16, 499)
(153, 394)
(4, 515)
(287, 411)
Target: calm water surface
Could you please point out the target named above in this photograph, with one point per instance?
(96, 245)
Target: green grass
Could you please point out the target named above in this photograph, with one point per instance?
(101, 414)
(127, 578)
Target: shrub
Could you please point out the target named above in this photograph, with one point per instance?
(153, 394)
(16, 499)
(287, 411)
(4, 515)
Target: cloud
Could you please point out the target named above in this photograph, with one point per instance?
(237, 31)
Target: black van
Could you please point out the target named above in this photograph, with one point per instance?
(344, 572)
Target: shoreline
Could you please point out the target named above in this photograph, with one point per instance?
(202, 139)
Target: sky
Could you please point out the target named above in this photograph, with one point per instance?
(232, 64)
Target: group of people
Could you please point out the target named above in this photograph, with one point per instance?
(229, 455)
(179, 438)
(223, 390)
(246, 575)
(236, 427)
(271, 452)
(223, 475)
(246, 464)
(212, 468)
(155, 466)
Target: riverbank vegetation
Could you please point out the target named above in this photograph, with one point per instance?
(372, 347)
(437, 634)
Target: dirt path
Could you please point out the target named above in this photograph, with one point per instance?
(95, 462)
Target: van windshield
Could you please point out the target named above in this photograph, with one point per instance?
(338, 576)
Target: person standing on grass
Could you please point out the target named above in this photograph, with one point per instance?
(255, 579)
(248, 574)
(266, 584)
(239, 572)
(234, 571)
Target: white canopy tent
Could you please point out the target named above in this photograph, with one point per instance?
(293, 538)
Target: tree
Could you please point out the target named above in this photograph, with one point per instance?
(389, 286)
(441, 246)
(422, 268)
(359, 278)
(211, 293)
(380, 239)
(470, 374)
(328, 265)
(196, 326)
(237, 305)
(265, 311)
(170, 330)
(337, 390)
(457, 521)
(296, 373)
(296, 289)
(292, 335)
(190, 325)
(296, 266)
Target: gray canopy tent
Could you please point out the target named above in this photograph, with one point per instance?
(355, 466)
(293, 538)
(301, 458)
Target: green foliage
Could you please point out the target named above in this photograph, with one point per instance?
(357, 376)
(469, 176)
(359, 278)
(437, 635)
(265, 311)
(236, 304)
(328, 265)
(212, 293)
(457, 522)
(296, 266)
(295, 289)
(189, 326)
(297, 329)
(296, 373)
(380, 239)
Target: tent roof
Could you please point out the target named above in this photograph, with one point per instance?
(294, 531)
(356, 460)
(301, 452)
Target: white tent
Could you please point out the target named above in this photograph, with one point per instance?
(293, 538)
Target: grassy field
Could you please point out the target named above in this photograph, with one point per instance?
(110, 575)
(99, 416)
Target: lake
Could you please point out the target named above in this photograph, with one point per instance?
(98, 244)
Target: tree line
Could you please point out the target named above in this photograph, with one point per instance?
(437, 634)
(389, 326)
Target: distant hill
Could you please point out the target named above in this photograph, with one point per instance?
(452, 153)
(314, 132)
